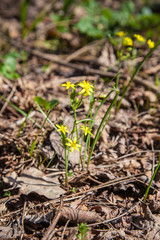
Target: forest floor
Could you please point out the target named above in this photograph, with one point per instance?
(34, 202)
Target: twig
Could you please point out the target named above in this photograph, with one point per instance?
(84, 49)
(24, 209)
(153, 157)
(50, 231)
(8, 99)
(125, 156)
(12, 140)
(89, 70)
(64, 229)
(84, 69)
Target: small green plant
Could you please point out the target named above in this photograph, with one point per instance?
(8, 65)
(23, 17)
(82, 229)
(99, 21)
(74, 139)
(7, 194)
(48, 107)
(152, 47)
(126, 41)
(73, 189)
(78, 92)
(150, 183)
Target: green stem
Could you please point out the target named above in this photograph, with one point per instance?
(80, 159)
(35, 141)
(66, 168)
(136, 71)
(90, 113)
(150, 183)
(88, 137)
(101, 125)
(46, 117)
(75, 124)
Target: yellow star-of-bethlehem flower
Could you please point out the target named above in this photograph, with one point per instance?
(68, 85)
(127, 41)
(87, 88)
(73, 145)
(139, 38)
(86, 130)
(150, 43)
(61, 128)
(120, 34)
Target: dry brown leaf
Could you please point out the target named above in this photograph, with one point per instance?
(154, 206)
(154, 232)
(114, 234)
(146, 120)
(104, 176)
(103, 210)
(122, 145)
(5, 232)
(13, 231)
(2, 208)
(78, 216)
(107, 57)
(151, 96)
(34, 180)
(147, 212)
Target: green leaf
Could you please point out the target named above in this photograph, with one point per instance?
(89, 26)
(128, 7)
(13, 54)
(24, 56)
(67, 4)
(52, 103)
(10, 63)
(23, 15)
(72, 97)
(8, 67)
(55, 17)
(146, 11)
(44, 103)
(7, 194)
(84, 24)
(70, 174)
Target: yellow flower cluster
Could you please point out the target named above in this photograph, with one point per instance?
(68, 85)
(139, 38)
(120, 34)
(87, 88)
(127, 41)
(61, 128)
(150, 43)
(73, 145)
(86, 130)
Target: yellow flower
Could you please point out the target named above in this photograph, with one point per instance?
(121, 34)
(139, 38)
(62, 128)
(86, 130)
(150, 43)
(68, 85)
(127, 41)
(87, 88)
(73, 144)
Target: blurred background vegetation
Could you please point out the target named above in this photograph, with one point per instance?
(87, 20)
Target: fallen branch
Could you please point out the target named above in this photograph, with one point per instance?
(85, 69)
